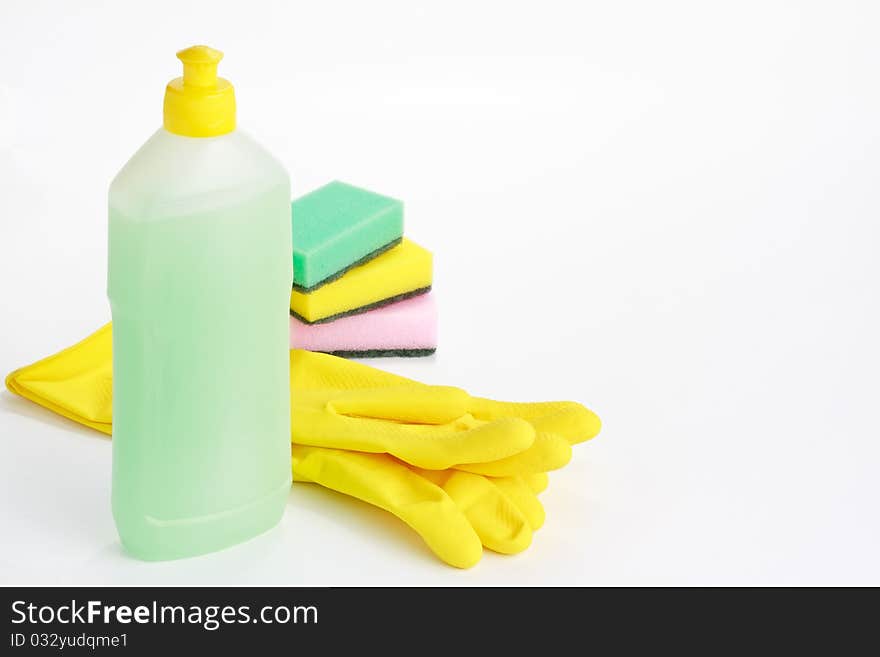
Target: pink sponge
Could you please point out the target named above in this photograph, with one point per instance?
(405, 328)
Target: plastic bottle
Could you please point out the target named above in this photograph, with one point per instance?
(199, 279)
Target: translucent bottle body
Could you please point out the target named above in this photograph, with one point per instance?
(199, 283)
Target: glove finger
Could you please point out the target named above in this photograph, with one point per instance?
(435, 447)
(415, 403)
(380, 480)
(76, 382)
(524, 498)
(571, 420)
(575, 422)
(500, 524)
(538, 482)
(548, 452)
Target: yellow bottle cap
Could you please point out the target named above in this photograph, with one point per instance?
(199, 104)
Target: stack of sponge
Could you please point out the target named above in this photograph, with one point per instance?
(359, 287)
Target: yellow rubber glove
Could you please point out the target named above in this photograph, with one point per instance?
(77, 382)
(454, 512)
(373, 412)
(346, 405)
(448, 500)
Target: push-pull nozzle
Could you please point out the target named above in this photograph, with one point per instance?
(200, 66)
(199, 104)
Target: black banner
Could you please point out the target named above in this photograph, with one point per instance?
(84, 620)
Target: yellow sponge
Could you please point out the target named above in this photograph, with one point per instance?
(401, 272)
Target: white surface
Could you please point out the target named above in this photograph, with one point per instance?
(668, 211)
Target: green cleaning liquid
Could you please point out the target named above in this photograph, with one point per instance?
(199, 279)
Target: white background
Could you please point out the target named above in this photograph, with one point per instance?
(668, 211)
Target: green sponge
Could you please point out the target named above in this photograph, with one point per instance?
(337, 227)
